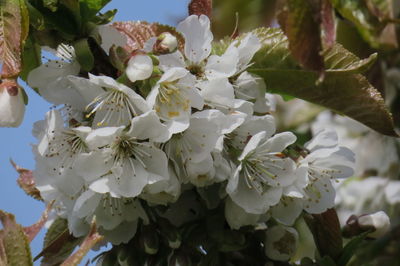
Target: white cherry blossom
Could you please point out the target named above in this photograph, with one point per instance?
(116, 105)
(263, 172)
(173, 98)
(326, 162)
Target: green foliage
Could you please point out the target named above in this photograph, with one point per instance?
(350, 249)
(84, 54)
(89, 8)
(13, 242)
(372, 18)
(58, 243)
(343, 89)
(31, 57)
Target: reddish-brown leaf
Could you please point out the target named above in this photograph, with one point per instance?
(328, 23)
(325, 228)
(33, 230)
(200, 7)
(138, 32)
(26, 181)
(301, 20)
(13, 32)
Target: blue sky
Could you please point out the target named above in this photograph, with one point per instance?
(16, 142)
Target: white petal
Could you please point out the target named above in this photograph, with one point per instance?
(49, 72)
(131, 181)
(93, 165)
(103, 136)
(252, 144)
(168, 61)
(320, 196)
(252, 201)
(287, 210)
(139, 67)
(101, 185)
(218, 91)
(198, 37)
(392, 192)
(148, 126)
(324, 139)
(248, 46)
(86, 204)
(177, 126)
(238, 217)
(173, 74)
(222, 66)
(121, 234)
(110, 36)
(106, 82)
(280, 141)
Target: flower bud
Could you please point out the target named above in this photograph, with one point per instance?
(12, 106)
(179, 259)
(166, 43)
(281, 242)
(140, 67)
(379, 221)
(149, 240)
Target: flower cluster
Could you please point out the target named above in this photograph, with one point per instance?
(176, 121)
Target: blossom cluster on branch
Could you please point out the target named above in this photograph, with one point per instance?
(175, 122)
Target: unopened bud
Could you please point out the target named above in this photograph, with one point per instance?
(179, 259)
(12, 105)
(140, 67)
(281, 242)
(378, 223)
(170, 233)
(149, 240)
(166, 43)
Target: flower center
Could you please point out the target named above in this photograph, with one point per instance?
(117, 107)
(259, 169)
(65, 144)
(170, 100)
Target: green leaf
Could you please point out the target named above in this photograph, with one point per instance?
(14, 26)
(106, 17)
(343, 90)
(326, 261)
(89, 8)
(31, 57)
(35, 17)
(301, 23)
(339, 60)
(84, 54)
(14, 242)
(372, 19)
(58, 243)
(74, 7)
(57, 20)
(350, 249)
